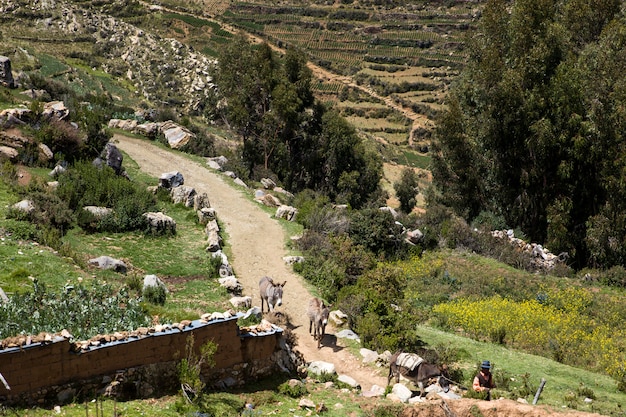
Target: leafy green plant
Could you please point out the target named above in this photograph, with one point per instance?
(46, 311)
(293, 390)
(155, 294)
(190, 368)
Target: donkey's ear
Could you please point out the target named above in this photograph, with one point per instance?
(283, 284)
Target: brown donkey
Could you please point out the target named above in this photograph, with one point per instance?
(318, 318)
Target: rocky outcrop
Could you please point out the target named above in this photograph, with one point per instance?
(541, 258)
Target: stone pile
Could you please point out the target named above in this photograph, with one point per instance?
(541, 258)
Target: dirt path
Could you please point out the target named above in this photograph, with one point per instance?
(257, 245)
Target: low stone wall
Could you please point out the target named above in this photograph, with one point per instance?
(143, 366)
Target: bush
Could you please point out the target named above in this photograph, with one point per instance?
(292, 390)
(155, 294)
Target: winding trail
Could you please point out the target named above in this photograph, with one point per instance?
(257, 245)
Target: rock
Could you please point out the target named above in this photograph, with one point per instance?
(241, 302)
(66, 396)
(369, 356)
(290, 260)
(183, 195)
(348, 381)
(106, 262)
(45, 154)
(375, 391)
(217, 162)
(414, 236)
(225, 271)
(240, 182)
(338, 317)
(402, 392)
(57, 170)
(254, 311)
(6, 75)
(321, 367)
(153, 281)
(231, 284)
(259, 194)
(177, 136)
(113, 157)
(347, 334)
(390, 210)
(201, 202)
(171, 179)
(6, 152)
(268, 183)
(98, 212)
(25, 206)
(205, 215)
(149, 129)
(55, 110)
(222, 255)
(271, 201)
(3, 297)
(286, 212)
(306, 403)
(159, 223)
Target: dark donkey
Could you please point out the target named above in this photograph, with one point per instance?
(419, 374)
(318, 318)
(271, 293)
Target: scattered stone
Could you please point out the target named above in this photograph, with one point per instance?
(153, 281)
(240, 182)
(106, 262)
(338, 317)
(306, 403)
(184, 195)
(25, 206)
(286, 212)
(320, 367)
(369, 356)
(375, 391)
(231, 284)
(98, 212)
(347, 334)
(349, 381)
(268, 183)
(160, 223)
(171, 179)
(241, 302)
(176, 135)
(402, 392)
(290, 260)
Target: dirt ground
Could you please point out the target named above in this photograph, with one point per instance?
(257, 244)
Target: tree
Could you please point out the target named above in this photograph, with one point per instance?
(406, 190)
(533, 127)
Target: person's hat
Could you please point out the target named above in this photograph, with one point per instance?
(485, 365)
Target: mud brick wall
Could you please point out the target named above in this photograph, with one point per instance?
(33, 368)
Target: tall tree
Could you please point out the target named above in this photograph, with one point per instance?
(523, 136)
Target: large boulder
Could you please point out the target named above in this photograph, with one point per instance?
(159, 223)
(152, 281)
(176, 135)
(25, 206)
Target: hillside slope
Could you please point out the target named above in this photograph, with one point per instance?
(257, 244)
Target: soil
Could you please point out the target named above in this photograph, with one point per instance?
(257, 245)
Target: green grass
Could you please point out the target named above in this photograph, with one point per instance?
(561, 379)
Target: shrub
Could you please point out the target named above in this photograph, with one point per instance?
(155, 294)
(391, 410)
(292, 390)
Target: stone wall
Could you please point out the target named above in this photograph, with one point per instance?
(55, 373)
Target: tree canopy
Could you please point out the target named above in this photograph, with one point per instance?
(286, 132)
(534, 127)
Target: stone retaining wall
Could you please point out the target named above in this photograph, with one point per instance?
(55, 373)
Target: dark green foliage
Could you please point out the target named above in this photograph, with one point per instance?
(45, 311)
(286, 132)
(20, 230)
(406, 190)
(155, 294)
(377, 231)
(87, 185)
(532, 132)
(292, 390)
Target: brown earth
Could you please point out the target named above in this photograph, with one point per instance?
(257, 245)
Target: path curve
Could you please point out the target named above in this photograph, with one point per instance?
(257, 245)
